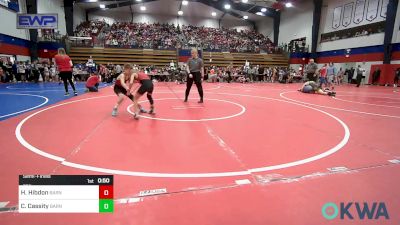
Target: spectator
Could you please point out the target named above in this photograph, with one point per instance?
(64, 65)
(376, 75)
(20, 72)
(330, 73)
(323, 76)
(359, 75)
(340, 76)
(396, 77)
(92, 84)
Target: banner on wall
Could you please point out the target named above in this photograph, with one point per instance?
(37, 21)
(359, 11)
(347, 12)
(372, 9)
(384, 8)
(337, 16)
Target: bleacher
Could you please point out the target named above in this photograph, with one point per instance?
(144, 57)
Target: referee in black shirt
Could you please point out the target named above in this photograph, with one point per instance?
(195, 69)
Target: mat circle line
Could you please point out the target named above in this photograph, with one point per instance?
(64, 162)
(25, 110)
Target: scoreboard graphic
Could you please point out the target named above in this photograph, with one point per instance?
(66, 194)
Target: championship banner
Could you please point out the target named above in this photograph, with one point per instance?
(347, 12)
(37, 21)
(337, 15)
(359, 11)
(384, 8)
(372, 9)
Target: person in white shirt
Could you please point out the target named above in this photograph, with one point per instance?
(359, 75)
(53, 73)
(118, 69)
(20, 72)
(91, 65)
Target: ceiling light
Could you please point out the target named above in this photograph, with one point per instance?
(102, 6)
(227, 6)
(245, 17)
(138, 0)
(185, 2)
(214, 14)
(180, 12)
(143, 8)
(288, 4)
(92, 0)
(245, 1)
(263, 10)
(260, 13)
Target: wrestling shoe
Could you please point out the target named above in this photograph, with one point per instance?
(114, 112)
(152, 110)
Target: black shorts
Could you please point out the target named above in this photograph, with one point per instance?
(65, 75)
(147, 86)
(196, 77)
(119, 89)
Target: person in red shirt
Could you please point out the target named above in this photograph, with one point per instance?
(64, 65)
(146, 85)
(122, 87)
(322, 76)
(92, 83)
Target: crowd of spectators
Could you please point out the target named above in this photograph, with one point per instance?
(254, 73)
(225, 39)
(141, 35)
(43, 71)
(47, 72)
(21, 71)
(89, 28)
(169, 36)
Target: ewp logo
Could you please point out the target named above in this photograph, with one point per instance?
(37, 21)
(330, 210)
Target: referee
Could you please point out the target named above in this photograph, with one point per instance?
(195, 70)
(311, 70)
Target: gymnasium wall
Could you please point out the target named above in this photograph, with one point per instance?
(296, 22)
(266, 27)
(14, 41)
(9, 21)
(54, 6)
(363, 15)
(358, 17)
(366, 51)
(79, 15)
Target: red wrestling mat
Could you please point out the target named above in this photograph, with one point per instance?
(251, 154)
